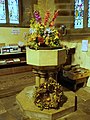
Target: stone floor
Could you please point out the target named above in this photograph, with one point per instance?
(9, 110)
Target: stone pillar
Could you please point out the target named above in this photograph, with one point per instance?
(56, 73)
(42, 77)
(37, 77)
(51, 75)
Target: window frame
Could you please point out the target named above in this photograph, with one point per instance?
(7, 24)
(85, 16)
(85, 31)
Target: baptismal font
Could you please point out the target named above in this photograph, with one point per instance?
(48, 94)
(44, 52)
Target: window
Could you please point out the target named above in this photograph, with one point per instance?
(3, 12)
(88, 13)
(9, 12)
(81, 14)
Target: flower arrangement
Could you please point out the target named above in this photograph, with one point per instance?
(43, 34)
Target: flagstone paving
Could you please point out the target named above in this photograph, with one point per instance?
(9, 109)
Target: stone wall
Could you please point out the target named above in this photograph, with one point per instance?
(80, 57)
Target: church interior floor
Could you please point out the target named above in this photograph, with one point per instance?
(9, 110)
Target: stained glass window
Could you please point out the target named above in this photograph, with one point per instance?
(2, 12)
(88, 13)
(13, 11)
(78, 11)
(9, 11)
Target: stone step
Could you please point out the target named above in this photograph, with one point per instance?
(78, 115)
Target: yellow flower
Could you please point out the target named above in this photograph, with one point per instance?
(47, 40)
